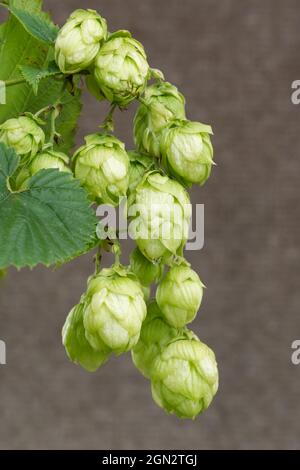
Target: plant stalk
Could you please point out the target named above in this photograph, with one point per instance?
(14, 81)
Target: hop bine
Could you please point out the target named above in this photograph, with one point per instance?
(172, 153)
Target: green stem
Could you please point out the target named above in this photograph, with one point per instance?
(43, 110)
(14, 81)
(179, 261)
(56, 108)
(18, 81)
(108, 123)
(116, 249)
(142, 101)
(52, 126)
(98, 258)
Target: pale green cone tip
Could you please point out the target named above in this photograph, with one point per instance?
(187, 151)
(114, 311)
(162, 103)
(185, 378)
(179, 295)
(79, 40)
(24, 135)
(102, 166)
(159, 211)
(121, 68)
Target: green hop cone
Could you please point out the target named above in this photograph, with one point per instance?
(147, 292)
(159, 211)
(156, 333)
(139, 164)
(48, 159)
(146, 271)
(187, 151)
(121, 68)
(114, 311)
(79, 40)
(102, 166)
(23, 134)
(179, 295)
(77, 346)
(162, 103)
(185, 377)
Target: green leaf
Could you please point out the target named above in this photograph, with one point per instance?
(50, 222)
(49, 92)
(19, 48)
(9, 162)
(34, 22)
(34, 75)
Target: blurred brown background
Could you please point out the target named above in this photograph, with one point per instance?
(235, 62)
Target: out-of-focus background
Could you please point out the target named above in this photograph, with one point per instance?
(235, 62)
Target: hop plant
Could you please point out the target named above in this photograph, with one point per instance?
(139, 164)
(171, 154)
(160, 212)
(179, 295)
(79, 40)
(102, 166)
(121, 68)
(162, 103)
(156, 333)
(114, 310)
(187, 151)
(146, 271)
(47, 159)
(78, 349)
(185, 377)
(23, 134)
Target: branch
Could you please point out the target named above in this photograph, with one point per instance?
(15, 81)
